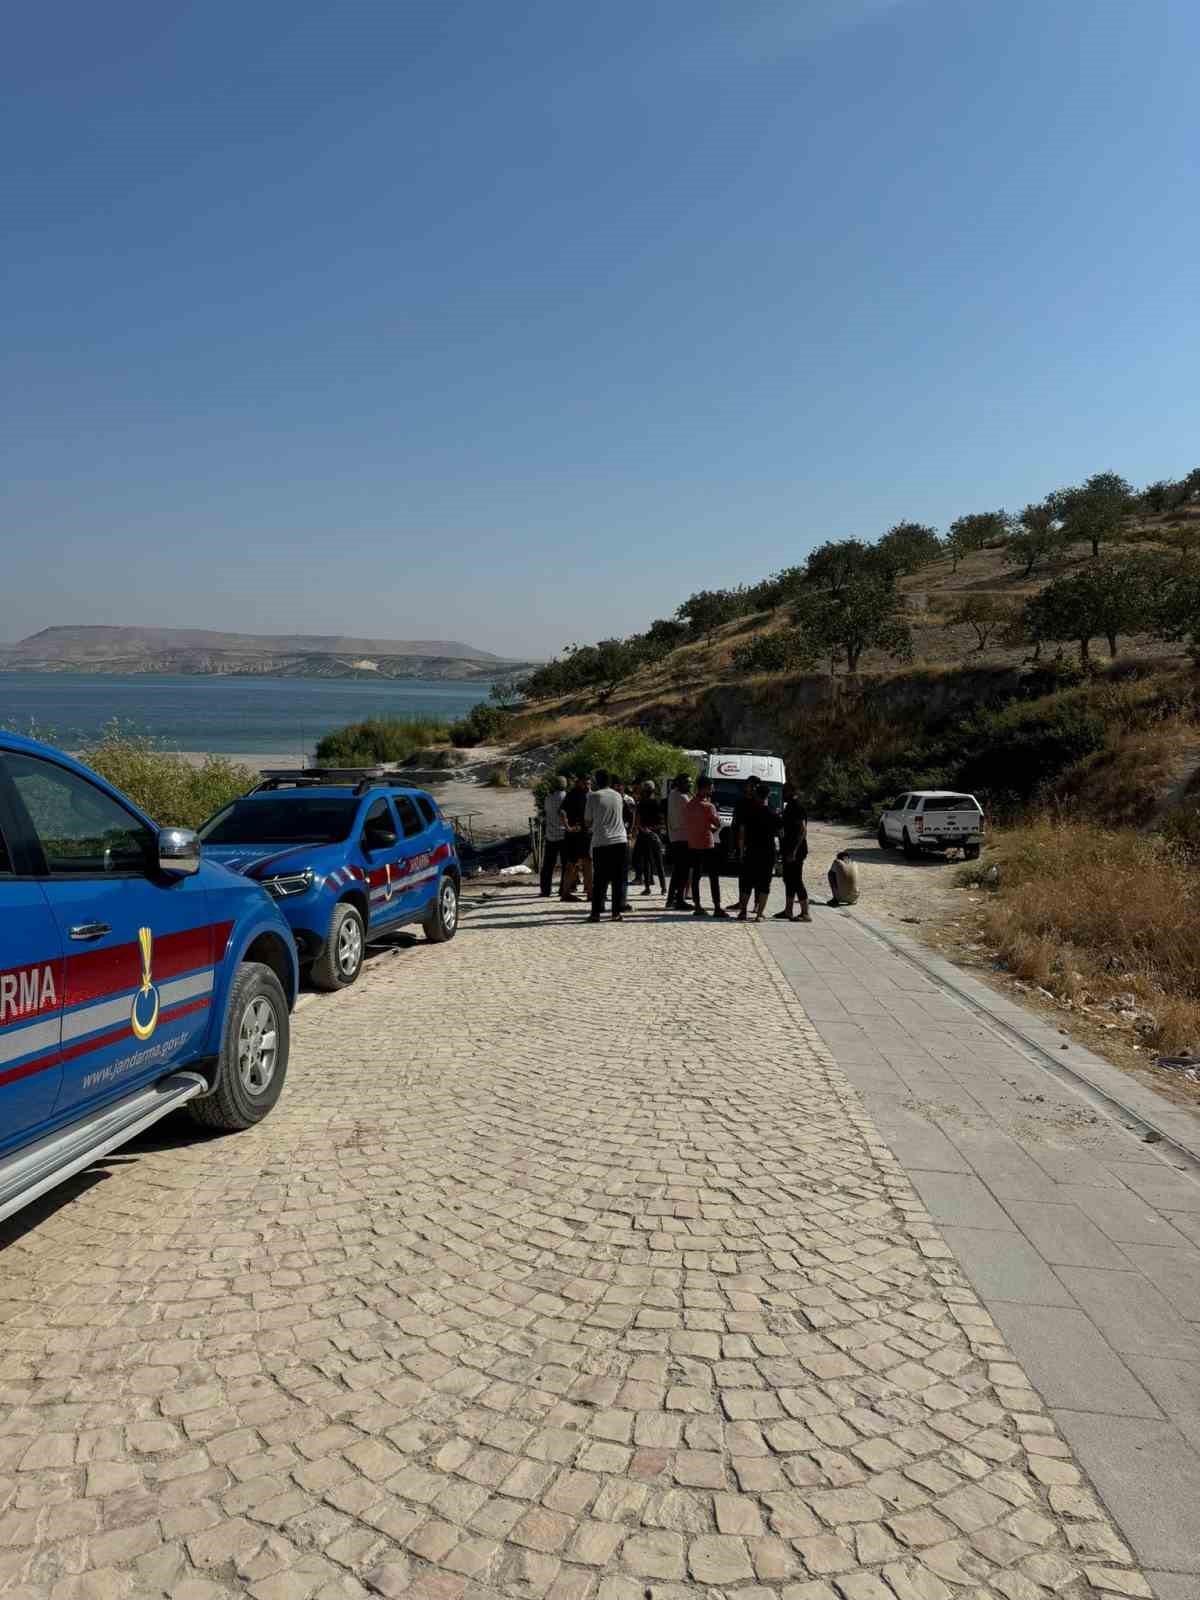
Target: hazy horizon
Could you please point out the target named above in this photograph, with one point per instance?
(516, 325)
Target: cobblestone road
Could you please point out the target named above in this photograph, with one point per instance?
(569, 1265)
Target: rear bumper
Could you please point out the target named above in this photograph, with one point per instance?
(947, 841)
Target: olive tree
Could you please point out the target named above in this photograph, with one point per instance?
(1037, 535)
(709, 609)
(907, 546)
(1096, 510)
(974, 531)
(836, 565)
(1105, 600)
(865, 614)
(985, 614)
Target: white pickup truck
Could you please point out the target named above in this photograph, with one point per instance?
(933, 819)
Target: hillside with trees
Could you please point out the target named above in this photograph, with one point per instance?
(1093, 566)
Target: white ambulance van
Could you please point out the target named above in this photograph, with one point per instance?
(729, 770)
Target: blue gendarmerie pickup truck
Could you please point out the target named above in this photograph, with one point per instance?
(134, 977)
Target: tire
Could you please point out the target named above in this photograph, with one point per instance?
(341, 958)
(254, 1053)
(884, 842)
(442, 922)
(911, 851)
(971, 852)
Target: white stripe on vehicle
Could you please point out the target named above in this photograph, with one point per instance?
(29, 1040)
(402, 885)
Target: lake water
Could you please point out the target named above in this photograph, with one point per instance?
(284, 716)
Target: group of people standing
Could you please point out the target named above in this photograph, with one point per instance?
(598, 830)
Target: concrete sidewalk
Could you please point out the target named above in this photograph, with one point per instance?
(1082, 1239)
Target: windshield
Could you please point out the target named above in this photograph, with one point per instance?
(290, 821)
(726, 795)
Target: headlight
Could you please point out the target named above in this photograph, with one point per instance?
(290, 883)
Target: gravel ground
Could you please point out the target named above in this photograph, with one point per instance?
(890, 886)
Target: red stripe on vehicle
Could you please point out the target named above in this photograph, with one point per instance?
(27, 1069)
(97, 974)
(100, 1042)
(116, 1035)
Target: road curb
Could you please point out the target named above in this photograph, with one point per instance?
(1096, 1079)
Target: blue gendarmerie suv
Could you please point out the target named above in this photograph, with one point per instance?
(134, 978)
(350, 854)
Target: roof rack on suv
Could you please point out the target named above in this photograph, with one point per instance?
(730, 750)
(362, 778)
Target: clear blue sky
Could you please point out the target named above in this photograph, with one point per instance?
(517, 322)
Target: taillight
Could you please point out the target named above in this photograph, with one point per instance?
(920, 824)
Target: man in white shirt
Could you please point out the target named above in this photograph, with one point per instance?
(843, 880)
(605, 816)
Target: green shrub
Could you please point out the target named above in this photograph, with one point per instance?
(498, 778)
(625, 752)
(364, 744)
(1014, 752)
(788, 651)
(166, 787)
(484, 724)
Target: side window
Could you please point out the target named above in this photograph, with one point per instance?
(379, 817)
(410, 817)
(83, 831)
(425, 807)
(899, 803)
(914, 802)
(6, 865)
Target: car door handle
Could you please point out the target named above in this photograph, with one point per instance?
(90, 930)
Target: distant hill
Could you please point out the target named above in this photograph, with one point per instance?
(200, 650)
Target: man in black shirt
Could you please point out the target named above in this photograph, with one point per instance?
(795, 849)
(757, 825)
(577, 841)
(648, 853)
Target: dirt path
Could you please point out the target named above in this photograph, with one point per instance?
(911, 891)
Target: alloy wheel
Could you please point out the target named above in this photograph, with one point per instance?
(258, 1045)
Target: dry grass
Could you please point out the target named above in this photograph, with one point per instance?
(549, 725)
(1123, 785)
(1090, 913)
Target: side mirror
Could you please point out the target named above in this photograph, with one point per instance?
(178, 852)
(380, 839)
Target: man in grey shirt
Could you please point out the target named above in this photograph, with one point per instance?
(605, 816)
(552, 838)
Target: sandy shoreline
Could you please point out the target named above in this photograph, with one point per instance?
(255, 759)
